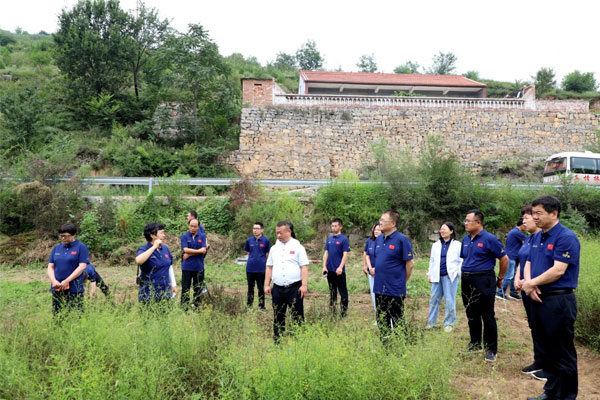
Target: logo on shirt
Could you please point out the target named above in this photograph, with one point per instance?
(166, 256)
(566, 255)
(392, 247)
(199, 240)
(479, 244)
(261, 245)
(292, 252)
(550, 246)
(337, 242)
(73, 253)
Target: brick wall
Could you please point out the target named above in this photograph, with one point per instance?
(319, 143)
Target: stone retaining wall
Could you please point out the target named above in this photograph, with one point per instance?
(319, 143)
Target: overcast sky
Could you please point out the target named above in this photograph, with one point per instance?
(502, 40)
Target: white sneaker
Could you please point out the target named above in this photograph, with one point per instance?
(448, 328)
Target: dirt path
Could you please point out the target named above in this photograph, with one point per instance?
(476, 378)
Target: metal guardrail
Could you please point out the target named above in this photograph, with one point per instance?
(151, 182)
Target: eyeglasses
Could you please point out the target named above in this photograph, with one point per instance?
(382, 221)
(467, 221)
(64, 235)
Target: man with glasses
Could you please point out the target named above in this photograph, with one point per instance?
(393, 267)
(65, 270)
(479, 252)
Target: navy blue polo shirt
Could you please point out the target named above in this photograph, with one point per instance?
(391, 254)
(524, 254)
(155, 270)
(443, 255)
(480, 253)
(370, 250)
(90, 273)
(514, 241)
(557, 244)
(66, 259)
(197, 242)
(257, 253)
(336, 246)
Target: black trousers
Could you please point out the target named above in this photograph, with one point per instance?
(478, 295)
(337, 283)
(536, 347)
(102, 285)
(259, 279)
(390, 314)
(553, 328)
(191, 279)
(284, 297)
(66, 301)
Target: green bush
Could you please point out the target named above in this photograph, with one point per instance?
(215, 216)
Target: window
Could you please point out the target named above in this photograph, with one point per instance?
(581, 165)
(555, 166)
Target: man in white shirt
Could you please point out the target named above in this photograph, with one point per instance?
(287, 265)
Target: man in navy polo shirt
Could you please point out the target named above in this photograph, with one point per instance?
(479, 252)
(550, 276)
(193, 244)
(336, 252)
(514, 241)
(90, 274)
(65, 267)
(393, 267)
(257, 248)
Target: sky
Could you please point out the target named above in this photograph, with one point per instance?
(502, 40)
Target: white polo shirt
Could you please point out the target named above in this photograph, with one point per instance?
(287, 259)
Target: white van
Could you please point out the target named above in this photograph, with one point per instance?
(581, 167)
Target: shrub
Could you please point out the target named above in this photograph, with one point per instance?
(215, 216)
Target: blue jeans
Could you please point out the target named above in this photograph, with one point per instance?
(447, 289)
(371, 282)
(509, 279)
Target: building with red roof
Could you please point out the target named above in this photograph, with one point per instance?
(380, 84)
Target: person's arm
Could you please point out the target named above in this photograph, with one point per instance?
(502, 270)
(340, 269)
(78, 271)
(304, 287)
(268, 274)
(409, 268)
(55, 284)
(92, 289)
(552, 274)
(517, 281)
(143, 257)
(365, 263)
(431, 263)
(194, 252)
(325, 255)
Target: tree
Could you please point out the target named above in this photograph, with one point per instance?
(308, 57)
(443, 64)
(93, 48)
(473, 75)
(408, 68)
(21, 111)
(579, 82)
(285, 61)
(544, 81)
(148, 33)
(367, 63)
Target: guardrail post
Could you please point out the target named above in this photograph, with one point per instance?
(150, 185)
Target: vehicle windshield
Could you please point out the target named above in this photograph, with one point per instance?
(555, 166)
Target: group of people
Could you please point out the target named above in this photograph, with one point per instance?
(544, 267)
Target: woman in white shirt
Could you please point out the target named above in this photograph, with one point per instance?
(443, 274)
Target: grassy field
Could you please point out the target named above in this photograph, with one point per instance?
(225, 350)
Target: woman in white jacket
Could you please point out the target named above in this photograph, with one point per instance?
(443, 274)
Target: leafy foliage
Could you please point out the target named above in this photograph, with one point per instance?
(579, 82)
(409, 67)
(443, 64)
(308, 57)
(544, 81)
(367, 63)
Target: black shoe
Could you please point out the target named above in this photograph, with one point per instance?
(474, 348)
(514, 296)
(530, 368)
(540, 375)
(543, 396)
(490, 356)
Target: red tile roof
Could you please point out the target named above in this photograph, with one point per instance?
(388, 79)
